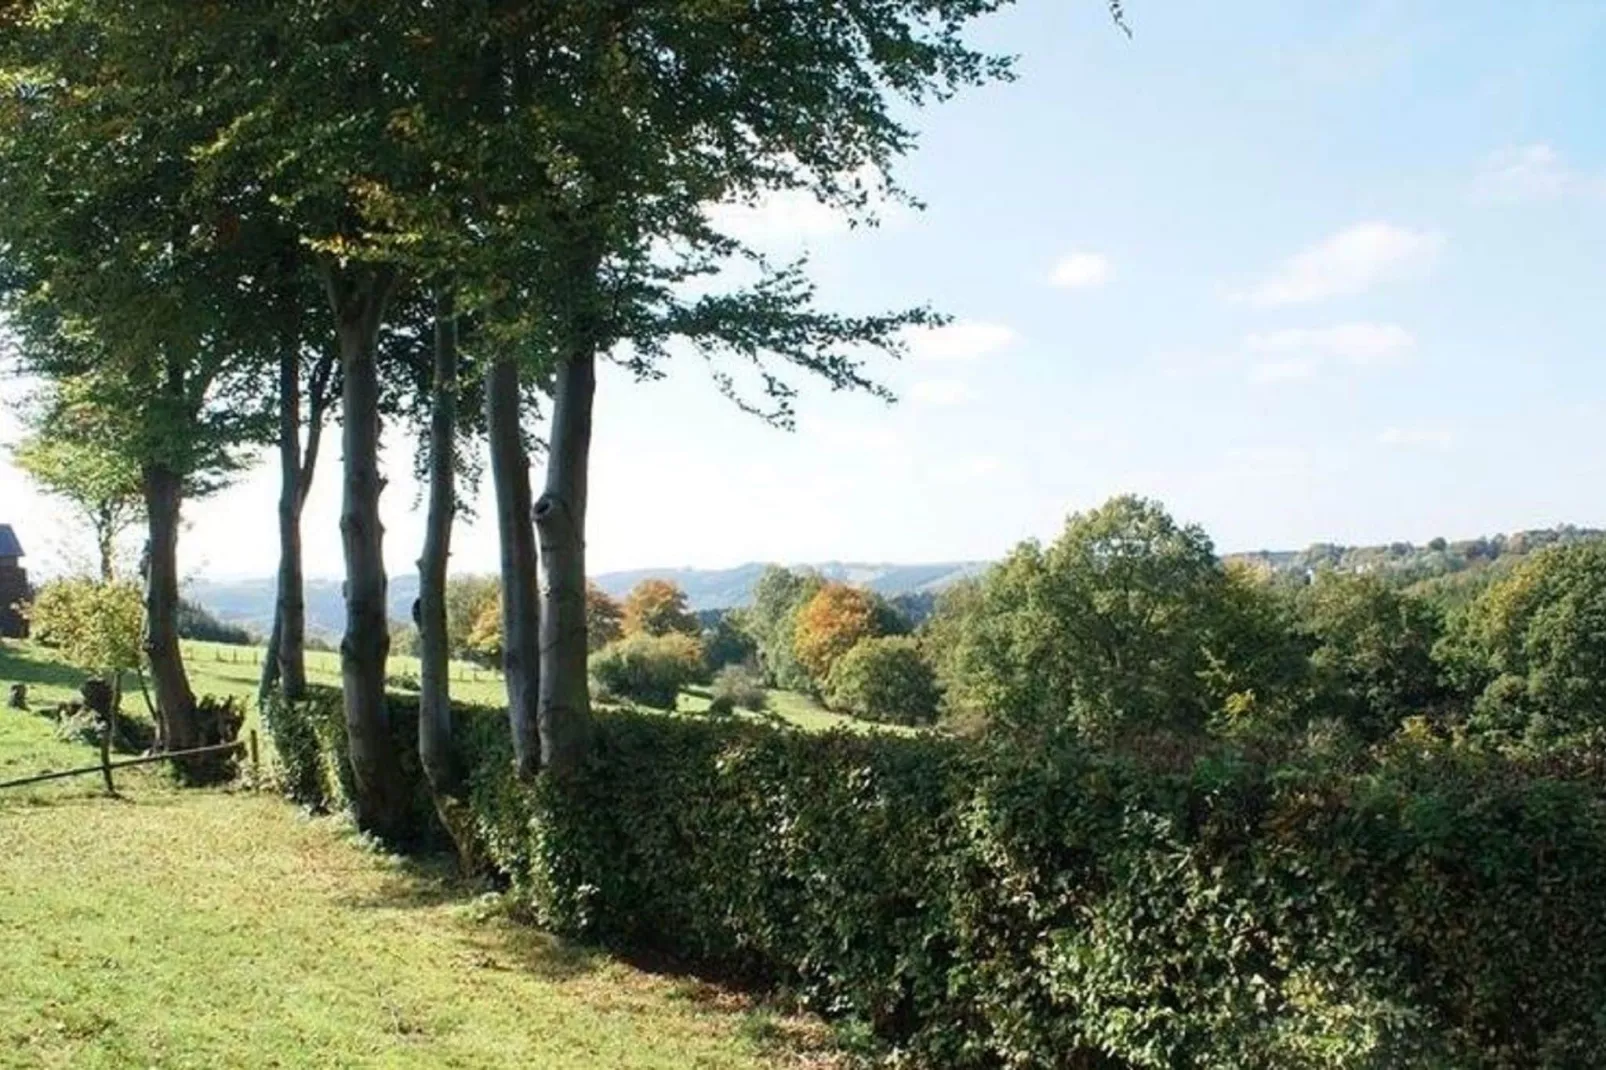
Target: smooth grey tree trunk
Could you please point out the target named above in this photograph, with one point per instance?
(379, 804)
(286, 659)
(560, 517)
(521, 610)
(175, 702)
(434, 696)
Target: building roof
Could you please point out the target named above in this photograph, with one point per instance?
(9, 546)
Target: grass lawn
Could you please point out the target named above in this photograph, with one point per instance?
(215, 929)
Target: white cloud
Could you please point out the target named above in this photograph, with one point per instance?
(1362, 344)
(1284, 371)
(939, 393)
(1080, 271)
(1535, 171)
(964, 340)
(1417, 438)
(1350, 262)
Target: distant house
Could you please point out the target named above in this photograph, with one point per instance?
(14, 589)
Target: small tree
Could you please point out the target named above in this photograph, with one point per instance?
(95, 624)
(778, 596)
(832, 623)
(73, 455)
(884, 679)
(657, 607)
(604, 617)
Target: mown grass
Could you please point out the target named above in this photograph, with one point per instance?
(211, 929)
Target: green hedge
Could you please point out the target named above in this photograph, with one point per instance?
(1434, 909)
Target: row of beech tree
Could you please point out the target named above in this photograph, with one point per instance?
(225, 223)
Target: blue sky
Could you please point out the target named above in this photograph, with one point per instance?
(1302, 271)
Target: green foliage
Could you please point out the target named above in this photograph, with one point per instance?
(728, 641)
(1373, 652)
(740, 688)
(314, 762)
(96, 625)
(971, 910)
(469, 601)
(1126, 622)
(778, 597)
(651, 669)
(884, 679)
(1532, 649)
(198, 623)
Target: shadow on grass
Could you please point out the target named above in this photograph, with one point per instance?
(18, 668)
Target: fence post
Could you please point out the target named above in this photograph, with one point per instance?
(106, 753)
(255, 770)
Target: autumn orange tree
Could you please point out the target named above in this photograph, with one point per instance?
(831, 623)
(657, 607)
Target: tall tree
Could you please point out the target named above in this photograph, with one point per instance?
(115, 276)
(73, 453)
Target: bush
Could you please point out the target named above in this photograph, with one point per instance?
(1075, 909)
(885, 679)
(964, 906)
(741, 688)
(314, 760)
(651, 669)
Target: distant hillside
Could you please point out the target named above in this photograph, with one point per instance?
(250, 602)
(1408, 563)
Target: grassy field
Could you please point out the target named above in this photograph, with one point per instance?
(208, 928)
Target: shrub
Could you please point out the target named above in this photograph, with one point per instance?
(886, 679)
(199, 623)
(1072, 909)
(314, 761)
(740, 687)
(650, 669)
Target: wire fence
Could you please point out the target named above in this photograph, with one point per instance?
(327, 662)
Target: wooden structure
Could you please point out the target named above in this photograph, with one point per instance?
(14, 588)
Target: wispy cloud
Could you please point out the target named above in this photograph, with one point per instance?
(1417, 438)
(1534, 172)
(1080, 271)
(964, 340)
(1304, 352)
(1349, 262)
(940, 393)
(1358, 343)
(1288, 370)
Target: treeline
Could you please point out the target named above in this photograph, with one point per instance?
(234, 228)
(1184, 814)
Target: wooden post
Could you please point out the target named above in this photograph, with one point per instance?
(106, 753)
(255, 769)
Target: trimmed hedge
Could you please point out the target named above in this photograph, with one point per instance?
(956, 908)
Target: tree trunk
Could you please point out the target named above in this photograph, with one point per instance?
(290, 617)
(106, 542)
(521, 611)
(175, 702)
(379, 803)
(434, 690)
(560, 517)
